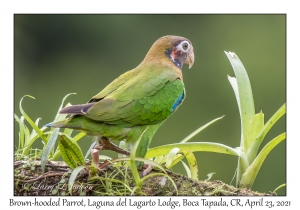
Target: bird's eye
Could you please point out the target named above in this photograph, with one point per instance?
(184, 46)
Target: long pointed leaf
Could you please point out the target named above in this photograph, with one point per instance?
(68, 131)
(177, 159)
(22, 132)
(57, 118)
(158, 159)
(277, 188)
(200, 129)
(257, 125)
(33, 133)
(79, 136)
(20, 141)
(89, 150)
(73, 176)
(48, 148)
(200, 146)
(27, 140)
(133, 166)
(278, 114)
(33, 125)
(193, 146)
(193, 165)
(234, 85)
(170, 156)
(250, 174)
(187, 169)
(252, 151)
(247, 109)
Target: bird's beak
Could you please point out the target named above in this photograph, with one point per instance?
(190, 58)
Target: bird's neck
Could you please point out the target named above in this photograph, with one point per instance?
(165, 57)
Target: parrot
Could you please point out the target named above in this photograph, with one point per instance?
(137, 102)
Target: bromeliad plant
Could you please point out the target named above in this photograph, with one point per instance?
(253, 131)
(27, 138)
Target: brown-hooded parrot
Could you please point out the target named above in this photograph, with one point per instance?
(142, 97)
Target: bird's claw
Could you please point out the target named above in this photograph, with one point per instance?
(105, 144)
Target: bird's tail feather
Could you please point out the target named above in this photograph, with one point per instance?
(57, 124)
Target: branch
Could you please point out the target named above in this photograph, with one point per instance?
(29, 180)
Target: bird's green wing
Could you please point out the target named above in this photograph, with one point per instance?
(113, 85)
(148, 98)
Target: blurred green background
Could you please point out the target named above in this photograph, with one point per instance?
(59, 54)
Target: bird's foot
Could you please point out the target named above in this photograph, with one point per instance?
(105, 144)
(95, 156)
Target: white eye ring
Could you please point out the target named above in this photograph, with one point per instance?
(184, 46)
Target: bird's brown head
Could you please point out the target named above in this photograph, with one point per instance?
(177, 49)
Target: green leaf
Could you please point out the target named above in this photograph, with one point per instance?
(257, 125)
(262, 131)
(68, 131)
(33, 125)
(250, 174)
(21, 131)
(62, 116)
(190, 157)
(278, 114)
(67, 156)
(89, 150)
(133, 167)
(244, 97)
(73, 176)
(73, 148)
(177, 159)
(159, 159)
(28, 141)
(193, 146)
(27, 136)
(79, 136)
(170, 156)
(187, 169)
(104, 157)
(48, 148)
(200, 129)
(76, 138)
(21, 141)
(280, 186)
(59, 116)
(234, 85)
(200, 146)
(33, 133)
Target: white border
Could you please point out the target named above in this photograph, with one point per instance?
(8, 8)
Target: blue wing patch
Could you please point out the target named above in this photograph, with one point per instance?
(178, 102)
